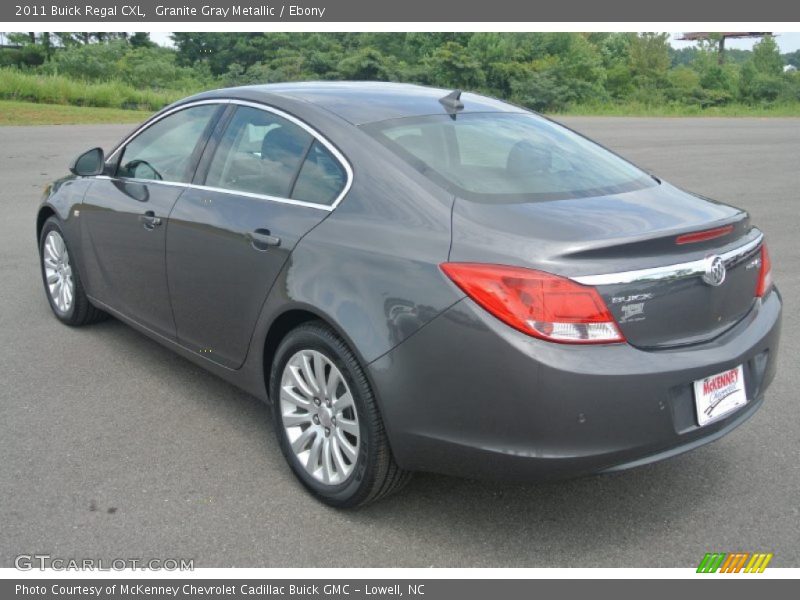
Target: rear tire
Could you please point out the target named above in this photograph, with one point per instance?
(62, 281)
(316, 379)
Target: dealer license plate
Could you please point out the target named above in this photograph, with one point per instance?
(719, 394)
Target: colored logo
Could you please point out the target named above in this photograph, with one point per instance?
(734, 562)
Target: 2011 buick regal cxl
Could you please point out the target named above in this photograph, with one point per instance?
(419, 279)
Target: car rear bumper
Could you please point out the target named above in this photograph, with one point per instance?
(467, 395)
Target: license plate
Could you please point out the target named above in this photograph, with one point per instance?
(719, 394)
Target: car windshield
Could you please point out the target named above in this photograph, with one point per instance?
(507, 157)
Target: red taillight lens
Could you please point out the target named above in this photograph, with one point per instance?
(765, 274)
(703, 236)
(540, 304)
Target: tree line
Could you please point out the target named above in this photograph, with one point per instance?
(544, 71)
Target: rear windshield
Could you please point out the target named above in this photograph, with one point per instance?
(507, 157)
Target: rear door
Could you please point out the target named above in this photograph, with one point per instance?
(264, 181)
(124, 215)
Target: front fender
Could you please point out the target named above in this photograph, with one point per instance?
(63, 199)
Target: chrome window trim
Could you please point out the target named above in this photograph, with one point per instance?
(313, 132)
(674, 271)
(193, 186)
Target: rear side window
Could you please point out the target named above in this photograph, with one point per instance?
(498, 157)
(163, 151)
(260, 153)
(322, 178)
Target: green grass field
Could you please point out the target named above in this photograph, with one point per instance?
(56, 89)
(14, 112)
(30, 113)
(671, 110)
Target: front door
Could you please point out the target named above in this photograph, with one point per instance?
(124, 216)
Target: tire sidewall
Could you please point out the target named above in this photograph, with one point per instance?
(358, 484)
(66, 316)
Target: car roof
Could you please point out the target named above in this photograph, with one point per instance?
(361, 102)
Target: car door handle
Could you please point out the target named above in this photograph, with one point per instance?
(262, 240)
(149, 220)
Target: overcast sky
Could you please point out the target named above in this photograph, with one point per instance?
(788, 42)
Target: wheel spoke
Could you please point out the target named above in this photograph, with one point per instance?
(308, 374)
(296, 419)
(347, 426)
(338, 459)
(50, 250)
(52, 277)
(327, 464)
(302, 440)
(289, 395)
(300, 382)
(345, 446)
(314, 454)
(342, 402)
(333, 382)
(319, 371)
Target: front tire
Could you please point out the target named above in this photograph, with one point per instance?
(62, 282)
(327, 421)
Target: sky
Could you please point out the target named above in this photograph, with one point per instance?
(788, 42)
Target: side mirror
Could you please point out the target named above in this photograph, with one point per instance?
(89, 163)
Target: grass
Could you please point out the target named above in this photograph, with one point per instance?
(108, 97)
(677, 110)
(29, 113)
(56, 89)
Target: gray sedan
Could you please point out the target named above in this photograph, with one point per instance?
(418, 279)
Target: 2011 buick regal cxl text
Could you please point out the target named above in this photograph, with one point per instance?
(420, 279)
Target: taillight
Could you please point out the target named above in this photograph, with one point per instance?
(540, 304)
(764, 274)
(703, 236)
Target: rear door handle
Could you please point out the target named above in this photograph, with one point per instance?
(262, 239)
(149, 220)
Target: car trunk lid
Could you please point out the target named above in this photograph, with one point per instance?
(633, 248)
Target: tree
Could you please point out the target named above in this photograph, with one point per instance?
(649, 57)
(451, 66)
(141, 39)
(767, 57)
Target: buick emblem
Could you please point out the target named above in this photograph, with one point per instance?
(715, 271)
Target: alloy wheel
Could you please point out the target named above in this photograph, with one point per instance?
(58, 272)
(319, 417)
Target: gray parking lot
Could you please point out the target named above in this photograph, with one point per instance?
(113, 447)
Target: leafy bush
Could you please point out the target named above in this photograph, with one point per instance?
(27, 56)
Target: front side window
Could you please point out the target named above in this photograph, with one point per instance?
(508, 157)
(260, 153)
(163, 151)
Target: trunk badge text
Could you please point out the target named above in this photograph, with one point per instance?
(715, 270)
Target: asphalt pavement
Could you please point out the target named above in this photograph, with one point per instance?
(113, 447)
